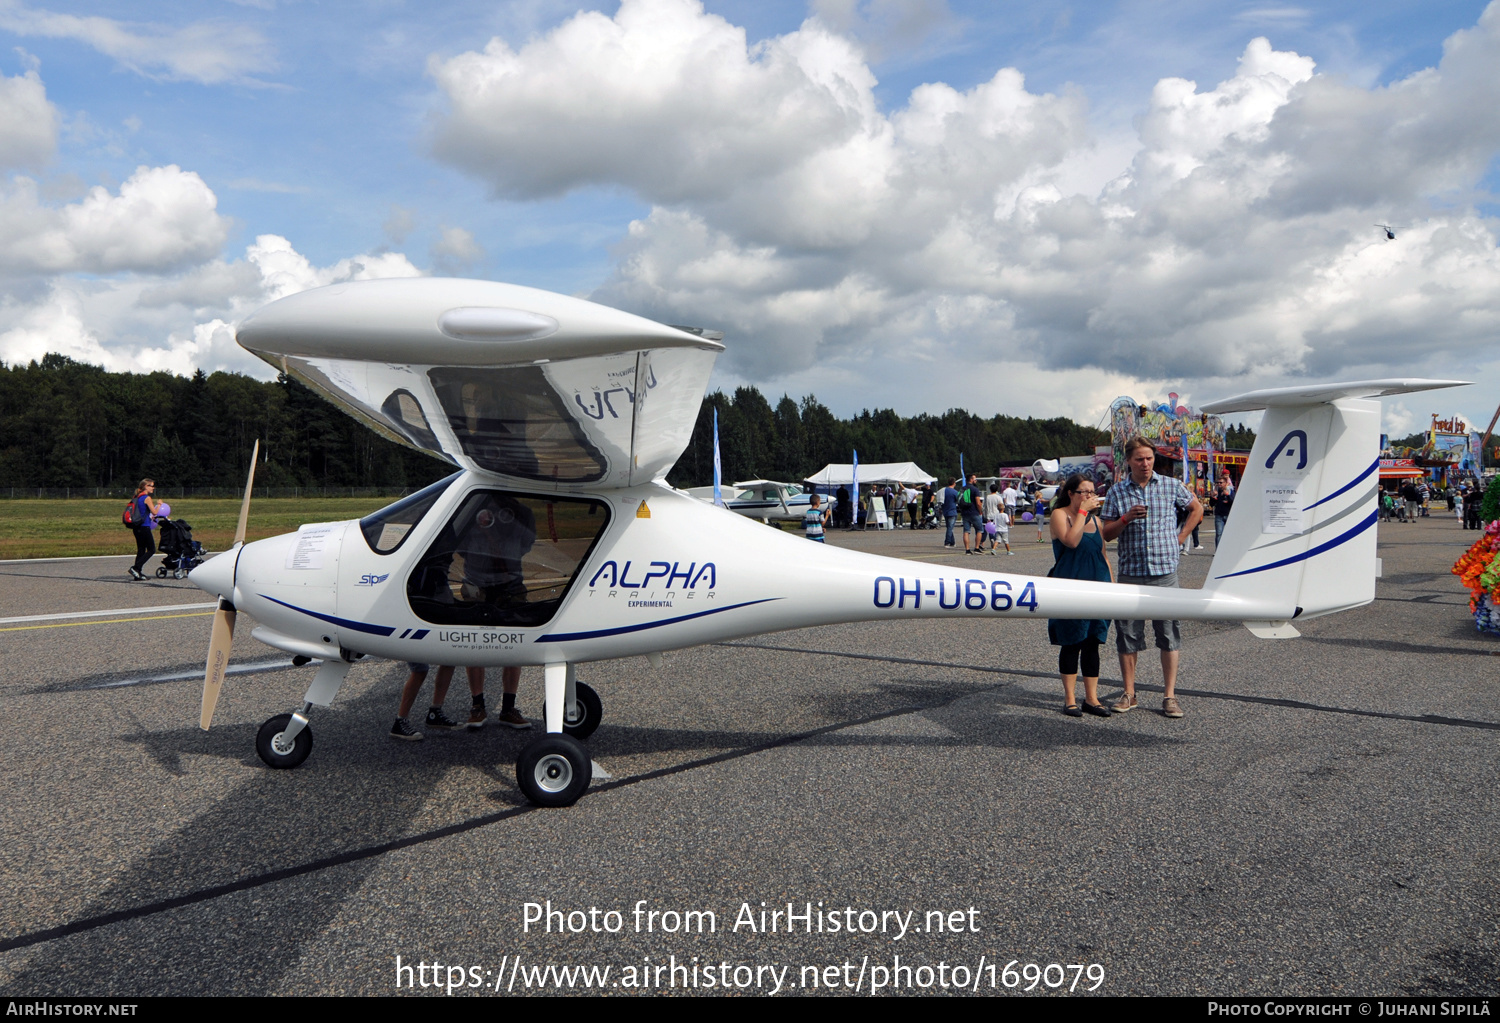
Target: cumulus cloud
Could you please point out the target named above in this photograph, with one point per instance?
(176, 323)
(210, 52)
(662, 98)
(161, 218)
(1230, 238)
(28, 122)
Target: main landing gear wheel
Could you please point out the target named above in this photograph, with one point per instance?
(554, 771)
(583, 717)
(275, 750)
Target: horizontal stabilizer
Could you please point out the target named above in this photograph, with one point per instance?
(1280, 397)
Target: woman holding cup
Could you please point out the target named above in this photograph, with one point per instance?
(1078, 547)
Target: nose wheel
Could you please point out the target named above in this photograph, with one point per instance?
(583, 715)
(280, 750)
(555, 770)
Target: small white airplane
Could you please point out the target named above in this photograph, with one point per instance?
(559, 543)
(766, 500)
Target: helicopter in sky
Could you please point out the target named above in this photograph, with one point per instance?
(558, 542)
(1390, 232)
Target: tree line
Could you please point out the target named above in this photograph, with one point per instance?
(795, 439)
(69, 424)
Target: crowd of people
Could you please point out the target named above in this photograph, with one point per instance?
(1415, 499)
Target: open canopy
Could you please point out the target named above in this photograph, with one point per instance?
(836, 474)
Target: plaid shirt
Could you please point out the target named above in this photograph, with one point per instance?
(1148, 547)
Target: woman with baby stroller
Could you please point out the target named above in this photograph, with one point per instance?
(139, 518)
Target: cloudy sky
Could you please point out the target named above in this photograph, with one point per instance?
(1016, 207)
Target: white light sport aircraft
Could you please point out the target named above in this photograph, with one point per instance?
(559, 543)
(767, 500)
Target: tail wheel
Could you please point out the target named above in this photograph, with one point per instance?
(554, 771)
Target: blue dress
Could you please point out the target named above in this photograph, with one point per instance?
(1086, 561)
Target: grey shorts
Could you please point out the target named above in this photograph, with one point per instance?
(1130, 636)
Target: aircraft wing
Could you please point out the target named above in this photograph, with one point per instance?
(505, 380)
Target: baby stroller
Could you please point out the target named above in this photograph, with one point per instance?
(181, 552)
(930, 520)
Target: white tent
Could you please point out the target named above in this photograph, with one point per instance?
(837, 474)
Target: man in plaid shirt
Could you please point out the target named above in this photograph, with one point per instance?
(1141, 512)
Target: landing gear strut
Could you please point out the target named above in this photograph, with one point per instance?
(285, 740)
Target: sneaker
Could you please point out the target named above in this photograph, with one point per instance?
(992, 552)
(1197, 546)
(402, 729)
(136, 573)
(437, 719)
(1169, 708)
(512, 718)
(1124, 703)
(1008, 553)
(477, 717)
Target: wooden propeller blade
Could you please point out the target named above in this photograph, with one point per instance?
(239, 530)
(218, 660)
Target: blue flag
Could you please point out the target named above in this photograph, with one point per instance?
(718, 473)
(854, 511)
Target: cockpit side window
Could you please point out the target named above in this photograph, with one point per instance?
(512, 422)
(387, 529)
(505, 559)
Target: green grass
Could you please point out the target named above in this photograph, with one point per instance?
(74, 528)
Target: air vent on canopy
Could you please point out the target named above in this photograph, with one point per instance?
(494, 323)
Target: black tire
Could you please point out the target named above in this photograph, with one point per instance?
(161, 572)
(270, 755)
(554, 770)
(588, 712)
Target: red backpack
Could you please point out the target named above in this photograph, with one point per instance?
(133, 515)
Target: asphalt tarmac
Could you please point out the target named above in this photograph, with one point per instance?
(1322, 821)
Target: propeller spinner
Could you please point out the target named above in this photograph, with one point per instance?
(217, 576)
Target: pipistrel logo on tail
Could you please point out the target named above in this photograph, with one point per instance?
(1294, 443)
(372, 580)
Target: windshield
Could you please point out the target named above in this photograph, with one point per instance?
(387, 529)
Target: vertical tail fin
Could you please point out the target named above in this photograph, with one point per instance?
(1302, 531)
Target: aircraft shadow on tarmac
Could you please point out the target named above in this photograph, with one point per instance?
(359, 790)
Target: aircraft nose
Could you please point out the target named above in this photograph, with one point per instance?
(216, 575)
